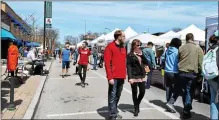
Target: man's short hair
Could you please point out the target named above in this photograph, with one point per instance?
(85, 43)
(150, 44)
(189, 36)
(117, 34)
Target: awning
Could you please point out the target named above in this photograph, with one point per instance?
(33, 44)
(5, 35)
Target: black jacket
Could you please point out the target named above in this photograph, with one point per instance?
(134, 69)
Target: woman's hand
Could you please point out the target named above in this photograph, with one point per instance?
(131, 81)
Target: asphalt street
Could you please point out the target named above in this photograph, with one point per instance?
(62, 99)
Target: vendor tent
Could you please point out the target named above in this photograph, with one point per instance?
(199, 34)
(129, 32)
(110, 36)
(169, 36)
(33, 44)
(96, 41)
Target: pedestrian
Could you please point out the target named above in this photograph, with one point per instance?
(190, 63)
(83, 61)
(65, 59)
(115, 66)
(136, 63)
(171, 60)
(214, 83)
(150, 56)
(95, 56)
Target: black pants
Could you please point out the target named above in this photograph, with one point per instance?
(114, 93)
(172, 85)
(135, 96)
(84, 68)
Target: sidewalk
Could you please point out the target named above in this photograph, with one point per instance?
(23, 96)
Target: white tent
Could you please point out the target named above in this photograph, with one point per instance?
(129, 32)
(95, 41)
(80, 43)
(199, 35)
(145, 38)
(110, 36)
(169, 36)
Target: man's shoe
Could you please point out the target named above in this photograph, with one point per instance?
(118, 116)
(171, 107)
(186, 114)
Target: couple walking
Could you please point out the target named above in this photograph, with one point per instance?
(116, 63)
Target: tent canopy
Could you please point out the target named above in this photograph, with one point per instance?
(129, 32)
(199, 35)
(145, 38)
(110, 36)
(7, 35)
(96, 40)
(170, 35)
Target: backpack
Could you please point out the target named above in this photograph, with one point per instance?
(209, 65)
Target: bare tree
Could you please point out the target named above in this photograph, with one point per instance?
(71, 39)
(177, 29)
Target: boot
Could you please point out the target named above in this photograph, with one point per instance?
(136, 111)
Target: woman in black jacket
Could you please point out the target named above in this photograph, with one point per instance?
(136, 63)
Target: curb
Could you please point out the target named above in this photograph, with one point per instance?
(34, 102)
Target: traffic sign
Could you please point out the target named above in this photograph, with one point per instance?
(48, 20)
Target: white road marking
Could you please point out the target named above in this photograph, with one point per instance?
(146, 101)
(92, 112)
(73, 77)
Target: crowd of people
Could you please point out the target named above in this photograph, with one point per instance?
(183, 66)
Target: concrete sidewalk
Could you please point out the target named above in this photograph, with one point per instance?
(24, 94)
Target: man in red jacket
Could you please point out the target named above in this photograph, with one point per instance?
(115, 65)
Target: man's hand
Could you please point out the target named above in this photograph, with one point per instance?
(131, 81)
(111, 82)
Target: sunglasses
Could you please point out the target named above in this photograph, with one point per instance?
(138, 45)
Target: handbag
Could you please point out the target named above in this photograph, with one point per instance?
(147, 69)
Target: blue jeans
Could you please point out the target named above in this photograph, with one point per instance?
(172, 85)
(95, 62)
(214, 87)
(188, 82)
(148, 83)
(114, 93)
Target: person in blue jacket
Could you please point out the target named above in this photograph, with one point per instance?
(171, 69)
(149, 54)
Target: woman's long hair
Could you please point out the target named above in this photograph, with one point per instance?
(134, 43)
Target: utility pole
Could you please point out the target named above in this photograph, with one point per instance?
(44, 33)
(85, 29)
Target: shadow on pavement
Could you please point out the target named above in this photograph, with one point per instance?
(18, 82)
(179, 110)
(126, 108)
(5, 103)
(103, 114)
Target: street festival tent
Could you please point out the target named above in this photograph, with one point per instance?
(145, 38)
(97, 41)
(129, 32)
(110, 36)
(169, 36)
(80, 43)
(199, 34)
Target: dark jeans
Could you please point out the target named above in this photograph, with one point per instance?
(188, 82)
(137, 98)
(114, 93)
(84, 68)
(148, 83)
(172, 84)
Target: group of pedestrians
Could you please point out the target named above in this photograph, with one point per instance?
(182, 65)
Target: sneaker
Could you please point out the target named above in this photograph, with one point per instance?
(118, 116)
(171, 107)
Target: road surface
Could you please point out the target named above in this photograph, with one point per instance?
(62, 99)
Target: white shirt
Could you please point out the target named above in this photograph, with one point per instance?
(31, 56)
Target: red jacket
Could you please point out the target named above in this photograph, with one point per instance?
(115, 61)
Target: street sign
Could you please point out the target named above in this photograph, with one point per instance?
(48, 20)
(48, 9)
(48, 25)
